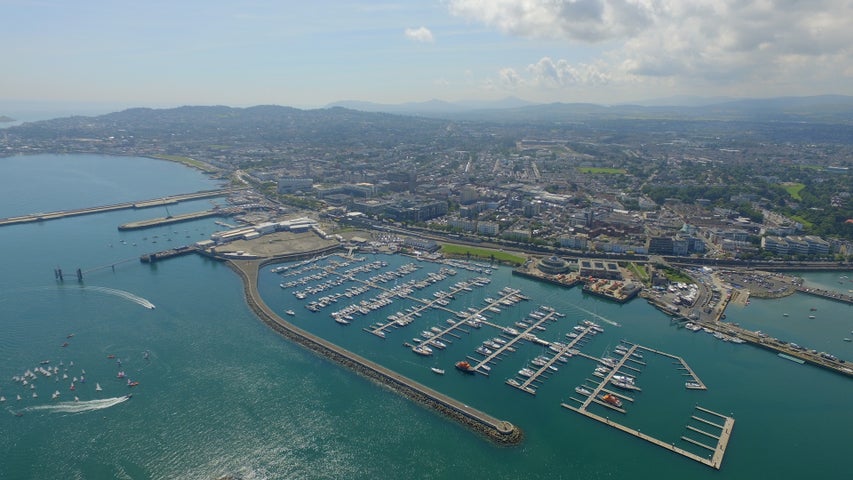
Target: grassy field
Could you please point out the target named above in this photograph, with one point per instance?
(639, 272)
(186, 161)
(604, 170)
(480, 254)
(794, 189)
(806, 223)
(674, 275)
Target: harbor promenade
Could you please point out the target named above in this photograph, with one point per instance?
(500, 431)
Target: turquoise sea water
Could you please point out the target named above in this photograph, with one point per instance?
(220, 393)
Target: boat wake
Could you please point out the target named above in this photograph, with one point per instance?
(79, 407)
(599, 317)
(123, 294)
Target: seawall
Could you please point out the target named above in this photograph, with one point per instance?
(500, 431)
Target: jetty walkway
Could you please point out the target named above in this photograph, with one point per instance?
(170, 200)
(828, 294)
(710, 418)
(498, 430)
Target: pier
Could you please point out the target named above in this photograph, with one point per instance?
(720, 438)
(827, 294)
(495, 429)
(40, 217)
(811, 357)
(185, 217)
(172, 252)
(566, 351)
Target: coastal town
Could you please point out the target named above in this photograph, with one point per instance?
(557, 212)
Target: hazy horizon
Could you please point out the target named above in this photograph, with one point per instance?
(163, 54)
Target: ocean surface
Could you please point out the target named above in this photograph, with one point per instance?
(219, 393)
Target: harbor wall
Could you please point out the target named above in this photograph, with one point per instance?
(502, 432)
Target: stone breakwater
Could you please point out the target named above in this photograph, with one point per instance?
(499, 431)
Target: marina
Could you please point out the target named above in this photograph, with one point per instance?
(615, 376)
(598, 394)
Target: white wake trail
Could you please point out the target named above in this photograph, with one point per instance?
(123, 294)
(592, 314)
(79, 407)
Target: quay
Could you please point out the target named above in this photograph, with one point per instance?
(40, 217)
(615, 291)
(184, 217)
(563, 281)
(498, 430)
(172, 252)
(812, 357)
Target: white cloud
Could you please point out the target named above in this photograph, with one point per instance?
(421, 34)
(750, 43)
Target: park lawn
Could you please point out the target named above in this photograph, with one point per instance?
(480, 253)
(794, 189)
(675, 275)
(640, 271)
(611, 171)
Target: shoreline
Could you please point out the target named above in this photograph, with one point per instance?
(498, 431)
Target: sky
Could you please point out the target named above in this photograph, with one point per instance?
(308, 54)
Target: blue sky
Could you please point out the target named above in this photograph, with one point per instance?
(309, 54)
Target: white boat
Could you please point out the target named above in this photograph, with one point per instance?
(2, 399)
(437, 371)
(583, 391)
(609, 362)
(98, 387)
(290, 312)
(422, 350)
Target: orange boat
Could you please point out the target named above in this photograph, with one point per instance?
(612, 400)
(464, 366)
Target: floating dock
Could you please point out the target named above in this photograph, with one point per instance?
(720, 435)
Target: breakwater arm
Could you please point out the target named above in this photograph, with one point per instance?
(41, 217)
(500, 431)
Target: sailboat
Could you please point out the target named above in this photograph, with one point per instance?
(98, 387)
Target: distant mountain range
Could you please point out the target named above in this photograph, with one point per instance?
(433, 106)
(353, 117)
(821, 108)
